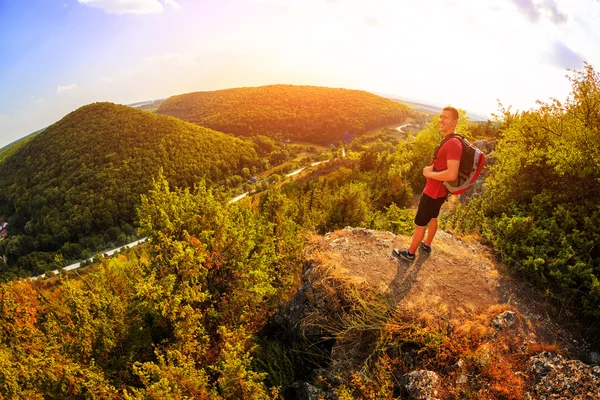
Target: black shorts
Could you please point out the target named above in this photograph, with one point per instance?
(428, 208)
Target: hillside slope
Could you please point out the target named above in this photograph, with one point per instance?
(448, 325)
(80, 180)
(309, 113)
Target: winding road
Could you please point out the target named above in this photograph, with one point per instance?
(142, 240)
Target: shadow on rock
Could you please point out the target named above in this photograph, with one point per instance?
(405, 277)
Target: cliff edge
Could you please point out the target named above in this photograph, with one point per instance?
(448, 325)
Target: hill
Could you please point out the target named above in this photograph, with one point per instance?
(309, 113)
(75, 186)
(431, 109)
(10, 148)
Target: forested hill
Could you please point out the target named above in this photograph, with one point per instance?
(79, 181)
(311, 113)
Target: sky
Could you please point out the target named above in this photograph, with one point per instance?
(58, 55)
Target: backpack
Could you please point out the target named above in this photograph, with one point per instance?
(472, 161)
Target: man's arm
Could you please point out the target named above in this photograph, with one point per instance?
(448, 174)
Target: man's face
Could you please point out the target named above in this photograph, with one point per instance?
(447, 122)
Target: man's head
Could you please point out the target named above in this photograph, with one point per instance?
(448, 120)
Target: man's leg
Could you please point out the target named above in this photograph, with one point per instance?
(431, 230)
(421, 221)
(418, 235)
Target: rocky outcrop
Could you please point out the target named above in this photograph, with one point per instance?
(343, 308)
(421, 385)
(487, 146)
(505, 320)
(555, 377)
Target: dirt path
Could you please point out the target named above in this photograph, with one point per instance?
(455, 282)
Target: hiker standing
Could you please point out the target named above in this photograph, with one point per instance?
(443, 168)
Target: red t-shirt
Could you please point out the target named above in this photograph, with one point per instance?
(451, 150)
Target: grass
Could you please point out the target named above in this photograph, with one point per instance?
(376, 343)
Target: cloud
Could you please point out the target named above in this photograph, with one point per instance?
(535, 10)
(529, 9)
(67, 88)
(130, 6)
(562, 56)
(178, 59)
(173, 4)
(555, 15)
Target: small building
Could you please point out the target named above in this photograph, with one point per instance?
(3, 230)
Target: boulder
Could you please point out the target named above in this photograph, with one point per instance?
(487, 146)
(421, 384)
(505, 320)
(555, 377)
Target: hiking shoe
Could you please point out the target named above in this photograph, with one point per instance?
(425, 248)
(403, 254)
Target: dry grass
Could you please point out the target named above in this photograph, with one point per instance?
(377, 342)
(441, 323)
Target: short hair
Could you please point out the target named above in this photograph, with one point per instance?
(452, 110)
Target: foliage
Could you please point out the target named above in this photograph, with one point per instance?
(74, 187)
(541, 206)
(174, 321)
(309, 113)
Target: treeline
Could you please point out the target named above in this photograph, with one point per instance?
(541, 206)
(175, 320)
(73, 189)
(309, 113)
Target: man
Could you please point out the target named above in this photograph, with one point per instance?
(443, 168)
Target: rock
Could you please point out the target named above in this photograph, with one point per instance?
(555, 377)
(306, 300)
(360, 231)
(421, 384)
(462, 379)
(485, 145)
(340, 242)
(595, 358)
(303, 391)
(505, 320)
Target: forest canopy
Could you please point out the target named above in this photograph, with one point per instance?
(309, 113)
(75, 186)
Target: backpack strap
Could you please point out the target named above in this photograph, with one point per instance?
(444, 140)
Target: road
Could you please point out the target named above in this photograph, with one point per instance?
(108, 253)
(399, 129)
(238, 198)
(142, 240)
(296, 172)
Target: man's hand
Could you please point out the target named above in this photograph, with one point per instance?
(449, 174)
(427, 171)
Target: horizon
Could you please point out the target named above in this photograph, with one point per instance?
(61, 55)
